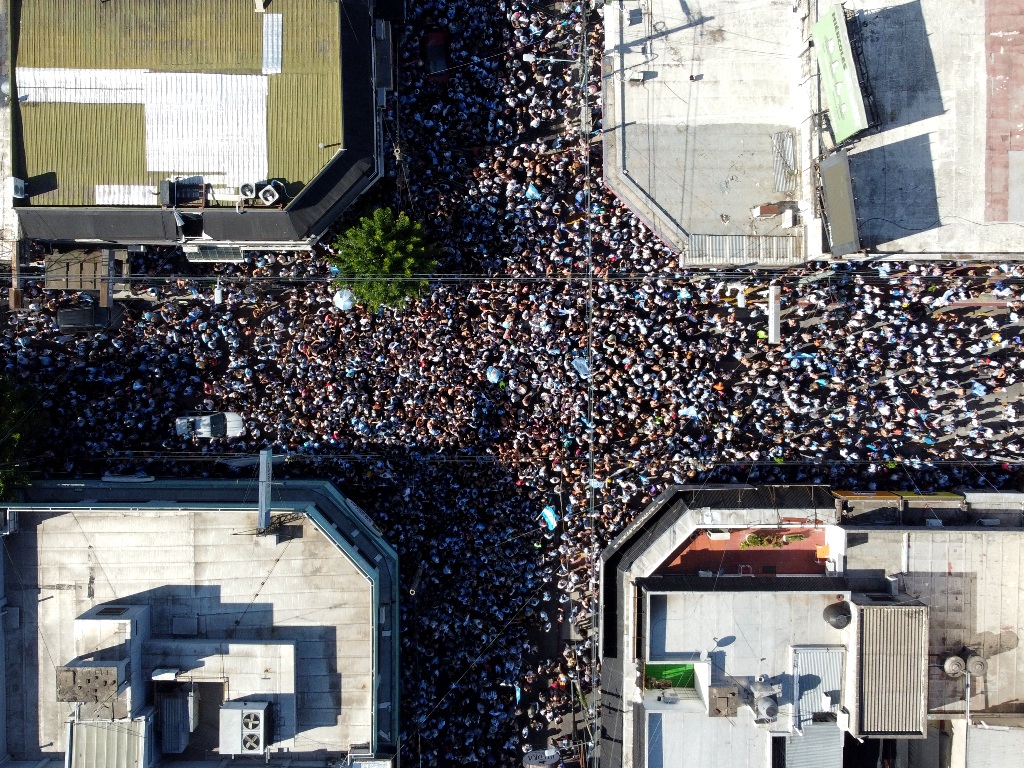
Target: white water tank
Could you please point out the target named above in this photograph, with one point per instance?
(976, 665)
(954, 666)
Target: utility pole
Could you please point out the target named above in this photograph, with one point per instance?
(266, 472)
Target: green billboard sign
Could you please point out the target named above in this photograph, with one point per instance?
(839, 79)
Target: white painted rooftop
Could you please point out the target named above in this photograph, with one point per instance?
(694, 94)
(298, 609)
(745, 634)
(970, 581)
(920, 180)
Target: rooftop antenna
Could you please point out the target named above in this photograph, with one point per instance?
(266, 471)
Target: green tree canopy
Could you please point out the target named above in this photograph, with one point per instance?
(20, 423)
(383, 259)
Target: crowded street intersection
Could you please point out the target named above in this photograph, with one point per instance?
(562, 371)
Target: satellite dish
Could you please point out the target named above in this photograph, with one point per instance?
(5, 87)
(838, 614)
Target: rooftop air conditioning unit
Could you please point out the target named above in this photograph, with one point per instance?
(765, 704)
(766, 708)
(976, 665)
(247, 191)
(268, 195)
(243, 727)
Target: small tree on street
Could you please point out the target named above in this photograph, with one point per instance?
(383, 259)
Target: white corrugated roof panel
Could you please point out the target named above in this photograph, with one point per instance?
(108, 744)
(126, 194)
(818, 681)
(273, 24)
(893, 670)
(80, 86)
(210, 124)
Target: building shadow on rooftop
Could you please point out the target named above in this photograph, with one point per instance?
(316, 701)
(41, 183)
(900, 66)
(954, 607)
(660, 30)
(894, 189)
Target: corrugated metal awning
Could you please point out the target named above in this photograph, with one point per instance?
(108, 744)
(840, 212)
(818, 681)
(893, 670)
(820, 745)
(749, 250)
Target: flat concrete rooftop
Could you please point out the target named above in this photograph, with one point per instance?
(970, 581)
(706, 116)
(746, 635)
(709, 113)
(943, 172)
(246, 596)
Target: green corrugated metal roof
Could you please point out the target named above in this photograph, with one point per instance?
(70, 148)
(84, 145)
(208, 36)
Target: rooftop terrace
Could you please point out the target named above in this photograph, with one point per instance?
(943, 172)
(970, 581)
(752, 551)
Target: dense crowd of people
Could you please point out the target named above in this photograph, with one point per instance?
(457, 419)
